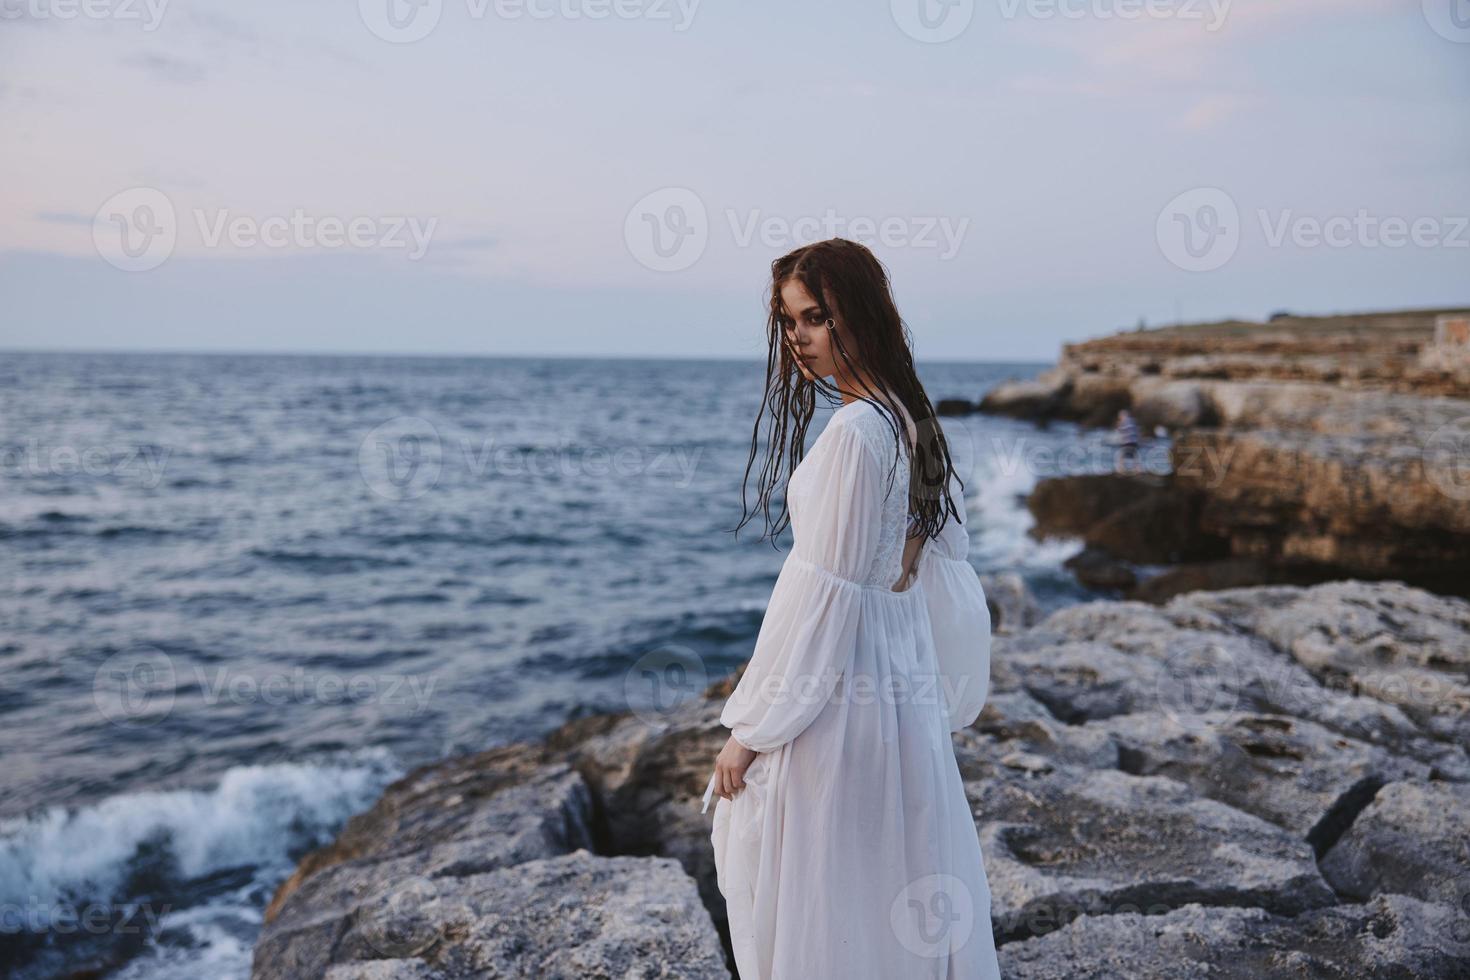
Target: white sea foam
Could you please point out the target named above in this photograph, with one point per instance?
(1001, 521)
(218, 949)
(60, 858)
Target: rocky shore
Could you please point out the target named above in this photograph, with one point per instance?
(1305, 449)
(1252, 783)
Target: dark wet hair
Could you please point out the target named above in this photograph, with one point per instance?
(851, 285)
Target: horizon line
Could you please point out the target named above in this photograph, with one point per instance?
(482, 355)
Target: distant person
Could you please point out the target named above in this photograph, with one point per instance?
(1126, 439)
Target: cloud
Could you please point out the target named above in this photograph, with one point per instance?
(1191, 42)
(168, 68)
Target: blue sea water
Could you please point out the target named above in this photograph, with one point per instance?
(239, 594)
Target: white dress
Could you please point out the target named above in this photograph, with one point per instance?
(851, 851)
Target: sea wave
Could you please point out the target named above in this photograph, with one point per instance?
(113, 851)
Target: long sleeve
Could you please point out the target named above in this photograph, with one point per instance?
(960, 621)
(810, 627)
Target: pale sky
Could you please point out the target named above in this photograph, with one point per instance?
(585, 177)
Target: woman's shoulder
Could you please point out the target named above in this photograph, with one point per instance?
(862, 422)
(859, 415)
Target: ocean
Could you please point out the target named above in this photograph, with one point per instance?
(241, 593)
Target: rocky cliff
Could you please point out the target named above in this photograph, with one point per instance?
(1303, 449)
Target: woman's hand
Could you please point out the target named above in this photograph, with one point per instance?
(730, 766)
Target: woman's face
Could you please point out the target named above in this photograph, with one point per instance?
(805, 332)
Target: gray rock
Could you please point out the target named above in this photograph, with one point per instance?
(1013, 608)
(572, 917)
(1413, 839)
(431, 883)
(648, 780)
(453, 820)
(1393, 643)
(1391, 938)
(1013, 725)
(1074, 841)
(1201, 653)
(1075, 680)
(1292, 772)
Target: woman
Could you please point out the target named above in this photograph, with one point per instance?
(844, 844)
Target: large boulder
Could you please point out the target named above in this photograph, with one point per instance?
(1390, 938)
(1295, 773)
(1073, 841)
(1413, 839)
(429, 878)
(1396, 645)
(571, 917)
